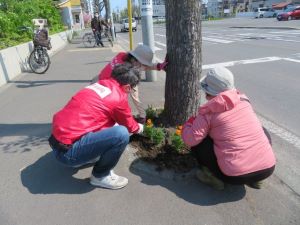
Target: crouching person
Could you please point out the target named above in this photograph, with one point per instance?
(226, 136)
(83, 131)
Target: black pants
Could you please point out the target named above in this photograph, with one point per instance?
(204, 153)
(97, 34)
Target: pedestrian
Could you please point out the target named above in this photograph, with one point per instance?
(226, 136)
(141, 58)
(85, 130)
(97, 27)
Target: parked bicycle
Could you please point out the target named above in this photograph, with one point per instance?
(39, 60)
(89, 40)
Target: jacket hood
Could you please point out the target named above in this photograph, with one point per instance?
(224, 101)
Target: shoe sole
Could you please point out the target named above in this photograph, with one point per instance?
(106, 187)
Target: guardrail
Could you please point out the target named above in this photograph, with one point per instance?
(14, 60)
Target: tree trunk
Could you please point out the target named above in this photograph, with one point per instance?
(183, 31)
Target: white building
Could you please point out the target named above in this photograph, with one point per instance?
(158, 8)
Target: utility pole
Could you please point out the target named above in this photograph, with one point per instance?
(147, 32)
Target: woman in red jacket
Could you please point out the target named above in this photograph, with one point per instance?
(141, 58)
(84, 132)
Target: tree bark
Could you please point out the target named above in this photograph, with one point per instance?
(183, 31)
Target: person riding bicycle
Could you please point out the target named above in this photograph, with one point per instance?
(97, 27)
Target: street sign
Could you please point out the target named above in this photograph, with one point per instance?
(146, 8)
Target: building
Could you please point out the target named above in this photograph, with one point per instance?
(72, 14)
(158, 8)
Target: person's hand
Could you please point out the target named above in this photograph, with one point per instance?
(163, 65)
(94, 30)
(141, 128)
(191, 120)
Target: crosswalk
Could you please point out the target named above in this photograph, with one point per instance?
(232, 36)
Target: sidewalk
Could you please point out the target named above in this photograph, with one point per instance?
(35, 189)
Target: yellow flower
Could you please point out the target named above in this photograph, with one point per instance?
(178, 132)
(149, 123)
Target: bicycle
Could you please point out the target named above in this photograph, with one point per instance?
(39, 60)
(89, 40)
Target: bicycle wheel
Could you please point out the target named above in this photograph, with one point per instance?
(39, 61)
(89, 40)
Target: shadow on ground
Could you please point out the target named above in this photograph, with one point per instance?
(20, 138)
(192, 190)
(47, 176)
(38, 83)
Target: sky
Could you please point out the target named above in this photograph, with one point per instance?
(121, 4)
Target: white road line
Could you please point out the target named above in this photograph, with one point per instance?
(280, 132)
(160, 35)
(239, 62)
(159, 43)
(216, 40)
(292, 60)
(285, 32)
(155, 48)
(281, 39)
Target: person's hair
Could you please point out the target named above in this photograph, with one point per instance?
(126, 74)
(129, 58)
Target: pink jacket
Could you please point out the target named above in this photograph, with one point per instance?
(240, 144)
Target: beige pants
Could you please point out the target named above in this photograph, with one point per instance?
(137, 103)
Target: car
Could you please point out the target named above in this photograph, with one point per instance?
(289, 14)
(125, 25)
(264, 12)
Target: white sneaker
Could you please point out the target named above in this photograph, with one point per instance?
(111, 181)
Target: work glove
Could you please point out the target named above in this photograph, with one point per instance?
(191, 120)
(163, 65)
(141, 128)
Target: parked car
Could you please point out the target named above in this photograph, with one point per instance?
(125, 25)
(264, 12)
(289, 14)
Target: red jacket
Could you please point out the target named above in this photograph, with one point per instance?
(118, 59)
(95, 107)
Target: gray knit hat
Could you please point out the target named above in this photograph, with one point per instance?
(143, 54)
(217, 80)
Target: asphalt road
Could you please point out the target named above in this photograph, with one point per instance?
(264, 56)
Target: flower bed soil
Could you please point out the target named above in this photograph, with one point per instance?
(164, 156)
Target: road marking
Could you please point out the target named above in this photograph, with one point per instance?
(160, 35)
(155, 48)
(292, 60)
(159, 43)
(280, 132)
(239, 62)
(216, 40)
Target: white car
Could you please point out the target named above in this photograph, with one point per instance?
(125, 25)
(264, 12)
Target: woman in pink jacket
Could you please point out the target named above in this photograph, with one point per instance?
(226, 136)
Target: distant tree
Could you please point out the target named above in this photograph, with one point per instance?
(183, 31)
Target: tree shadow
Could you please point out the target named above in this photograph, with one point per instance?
(48, 176)
(20, 138)
(192, 190)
